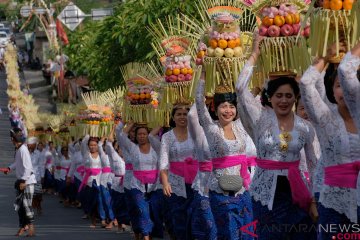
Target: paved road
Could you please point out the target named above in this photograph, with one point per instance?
(56, 222)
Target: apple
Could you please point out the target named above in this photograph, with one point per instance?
(219, 52)
(210, 52)
(296, 28)
(274, 31)
(173, 78)
(238, 52)
(287, 30)
(181, 78)
(188, 77)
(229, 53)
(263, 30)
(307, 31)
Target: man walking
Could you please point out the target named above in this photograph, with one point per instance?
(24, 183)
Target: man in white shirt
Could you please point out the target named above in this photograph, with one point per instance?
(37, 167)
(25, 182)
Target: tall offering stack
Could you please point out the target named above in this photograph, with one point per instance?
(96, 118)
(333, 21)
(176, 52)
(142, 97)
(284, 49)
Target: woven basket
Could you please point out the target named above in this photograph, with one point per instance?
(284, 54)
(327, 27)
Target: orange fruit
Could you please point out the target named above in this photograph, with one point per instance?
(200, 54)
(148, 95)
(184, 71)
(326, 4)
(336, 4)
(136, 96)
(238, 42)
(168, 72)
(142, 96)
(222, 43)
(213, 43)
(176, 71)
(231, 44)
(347, 4)
(189, 71)
(129, 94)
(267, 21)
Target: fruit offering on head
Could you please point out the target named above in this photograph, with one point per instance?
(178, 68)
(280, 21)
(224, 37)
(139, 93)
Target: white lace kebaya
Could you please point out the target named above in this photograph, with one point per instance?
(203, 154)
(118, 167)
(140, 162)
(266, 131)
(127, 158)
(174, 151)
(220, 146)
(350, 85)
(334, 141)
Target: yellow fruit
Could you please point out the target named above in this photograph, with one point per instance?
(222, 43)
(176, 71)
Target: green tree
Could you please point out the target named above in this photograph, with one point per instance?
(100, 48)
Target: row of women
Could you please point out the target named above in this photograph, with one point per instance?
(250, 169)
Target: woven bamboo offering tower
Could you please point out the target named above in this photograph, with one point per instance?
(142, 97)
(96, 118)
(333, 21)
(284, 49)
(177, 53)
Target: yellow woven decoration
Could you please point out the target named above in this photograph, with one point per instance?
(284, 54)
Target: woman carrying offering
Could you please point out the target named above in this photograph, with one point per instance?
(91, 180)
(144, 197)
(178, 170)
(232, 151)
(278, 189)
(339, 142)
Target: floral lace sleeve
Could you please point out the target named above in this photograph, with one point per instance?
(127, 143)
(350, 84)
(155, 143)
(84, 146)
(249, 108)
(164, 152)
(315, 106)
(203, 114)
(195, 129)
(310, 152)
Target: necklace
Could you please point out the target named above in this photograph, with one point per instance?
(285, 137)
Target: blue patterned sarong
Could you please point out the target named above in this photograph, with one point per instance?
(106, 203)
(49, 180)
(142, 209)
(231, 213)
(330, 219)
(286, 220)
(202, 220)
(120, 207)
(177, 213)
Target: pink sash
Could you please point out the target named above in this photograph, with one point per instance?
(186, 169)
(129, 166)
(146, 176)
(342, 175)
(231, 161)
(81, 170)
(299, 191)
(66, 169)
(106, 170)
(205, 166)
(89, 172)
(121, 179)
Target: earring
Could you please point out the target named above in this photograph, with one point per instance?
(269, 100)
